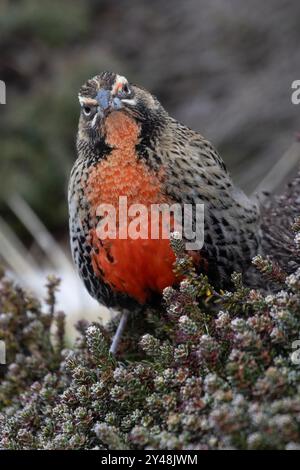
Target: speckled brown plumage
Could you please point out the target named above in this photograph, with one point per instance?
(128, 145)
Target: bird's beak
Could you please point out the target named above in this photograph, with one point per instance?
(107, 102)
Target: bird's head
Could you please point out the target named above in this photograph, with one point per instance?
(109, 93)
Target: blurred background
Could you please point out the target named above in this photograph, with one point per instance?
(223, 68)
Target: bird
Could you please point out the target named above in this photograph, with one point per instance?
(128, 146)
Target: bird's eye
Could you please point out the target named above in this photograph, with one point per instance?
(125, 91)
(87, 110)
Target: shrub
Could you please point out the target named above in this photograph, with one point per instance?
(213, 370)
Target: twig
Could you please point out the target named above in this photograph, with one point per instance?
(280, 171)
(40, 233)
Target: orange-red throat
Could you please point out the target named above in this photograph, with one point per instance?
(137, 267)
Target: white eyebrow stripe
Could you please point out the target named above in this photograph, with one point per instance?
(94, 120)
(87, 101)
(132, 101)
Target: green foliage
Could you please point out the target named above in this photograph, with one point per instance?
(212, 371)
(51, 21)
(43, 72)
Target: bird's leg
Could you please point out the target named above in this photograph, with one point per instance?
(118, 334)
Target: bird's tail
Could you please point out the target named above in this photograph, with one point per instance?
(278, 214)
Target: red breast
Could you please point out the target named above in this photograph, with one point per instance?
(135, 267)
